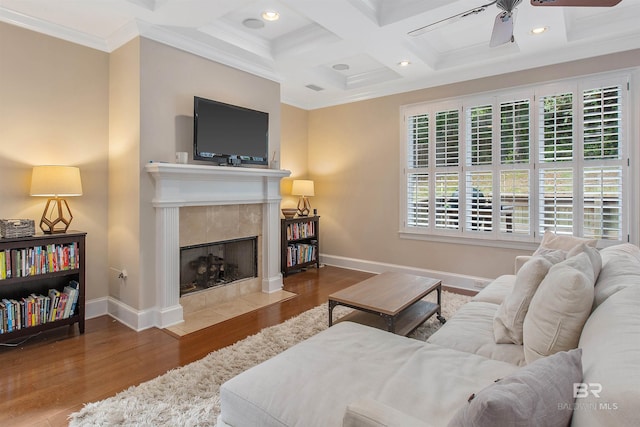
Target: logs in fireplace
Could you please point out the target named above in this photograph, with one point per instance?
(214, 264)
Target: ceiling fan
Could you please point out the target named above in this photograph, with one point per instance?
(503, 24)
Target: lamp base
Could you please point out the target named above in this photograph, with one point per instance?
(304, 207)
(56, 217)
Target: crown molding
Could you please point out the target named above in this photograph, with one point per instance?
(53, 30)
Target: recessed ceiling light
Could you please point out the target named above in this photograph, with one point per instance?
(340, 67)
(270, 15)
(539, 30)
(404, 63)
(253, 23)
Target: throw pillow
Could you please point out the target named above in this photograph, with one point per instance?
(509, 318)
(562, 242)
(539, 394)
(560, 307)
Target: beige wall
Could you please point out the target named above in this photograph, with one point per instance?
(124, 172)
(294, 148)
(54, 110)
(354, 160)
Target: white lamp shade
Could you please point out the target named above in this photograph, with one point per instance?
(302, 187)
(56, 181)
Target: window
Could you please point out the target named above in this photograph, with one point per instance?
(508, 166)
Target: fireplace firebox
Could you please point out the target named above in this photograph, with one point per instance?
(209, 265)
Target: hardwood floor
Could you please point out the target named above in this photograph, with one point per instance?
(52, 374)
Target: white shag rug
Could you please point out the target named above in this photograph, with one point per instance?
(189, 395)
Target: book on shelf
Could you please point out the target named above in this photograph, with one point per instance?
(301, 253)
(35, 309)
(35, 260)
(301, 230)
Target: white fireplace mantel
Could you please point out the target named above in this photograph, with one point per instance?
(179, 185)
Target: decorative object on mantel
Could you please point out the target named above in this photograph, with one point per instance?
(12, 228)
(56, 183)
(289, 212)
(304, 189)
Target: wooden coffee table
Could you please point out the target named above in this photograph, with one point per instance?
(390, 301)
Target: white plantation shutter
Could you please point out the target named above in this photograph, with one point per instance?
(447, 138)
(417, 207)
(604, 167)
(602, 120)
(556, 128)
(447, 200)
(556, 201)
(479, 211)
(418, 147)
(479, 135)
(511, 165)
(515, 129)
(418, 200)
(603, 203)
(515, 210)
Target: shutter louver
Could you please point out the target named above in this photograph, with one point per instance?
(515, 210)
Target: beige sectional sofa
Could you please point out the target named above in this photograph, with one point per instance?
(354, 375)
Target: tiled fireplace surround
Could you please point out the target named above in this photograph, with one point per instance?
(200, 204)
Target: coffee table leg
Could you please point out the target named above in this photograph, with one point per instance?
(391, 323)
(439, 313)
(332, 305)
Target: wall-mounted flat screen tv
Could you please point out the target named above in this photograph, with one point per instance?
(229, 135)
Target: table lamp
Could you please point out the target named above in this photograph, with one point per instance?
(56, 183)
(304, 189)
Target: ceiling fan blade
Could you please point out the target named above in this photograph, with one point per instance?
(581, 3)
(451, 19)
(502, 29)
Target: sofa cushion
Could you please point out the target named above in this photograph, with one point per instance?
(311, 383)
(539, 394)
(611, 361)
(620, 269)
(560, 307)
(496, 291)
(507, 323)
(594, 257)
(553, 241)
(471, 330)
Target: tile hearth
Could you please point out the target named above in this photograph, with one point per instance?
(217, 313)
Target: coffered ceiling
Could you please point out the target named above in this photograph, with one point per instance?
(328, 52)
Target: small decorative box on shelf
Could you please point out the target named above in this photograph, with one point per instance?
(11, 228)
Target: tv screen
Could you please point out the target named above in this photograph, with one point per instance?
(228, 134)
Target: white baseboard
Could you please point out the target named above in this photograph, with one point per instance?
(452, 280)
(137, 320)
